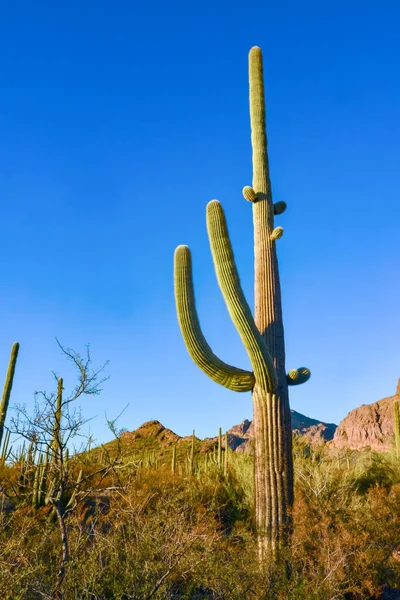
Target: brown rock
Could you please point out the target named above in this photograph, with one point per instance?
(240, 436)
(370, 425)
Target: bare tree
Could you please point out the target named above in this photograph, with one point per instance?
(56, 424)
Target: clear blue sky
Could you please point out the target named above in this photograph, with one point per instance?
(120, 121)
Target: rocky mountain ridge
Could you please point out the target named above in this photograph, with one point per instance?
(240, 436)
(369, 425)
(153, 435)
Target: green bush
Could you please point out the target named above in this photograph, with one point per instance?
(164, 536)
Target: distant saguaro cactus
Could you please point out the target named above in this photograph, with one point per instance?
(262, 335)
(397, 428)
(7, 387)
(56, 444)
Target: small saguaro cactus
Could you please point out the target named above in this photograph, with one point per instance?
(262, 335)
(397, 428)
(56, 444)
(5, 399)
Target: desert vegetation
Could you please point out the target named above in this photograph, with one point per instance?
(152, 515)
(180, 524)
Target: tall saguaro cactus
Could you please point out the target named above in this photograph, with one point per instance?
(262, 335)
(7, 387)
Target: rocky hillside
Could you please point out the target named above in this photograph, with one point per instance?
(240, 436)
(153, 437)
(370, 425)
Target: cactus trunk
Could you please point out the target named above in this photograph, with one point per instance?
(273, 493)
(272, 418)
(261, 334)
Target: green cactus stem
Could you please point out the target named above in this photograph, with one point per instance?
(277, 233)
(56, 441)
(5, 399)
(226, 454)
(35, 502)
(261, 334)
(298, 376)
(37, 496)
(222, 373)
(5, 451)
(397, 427)
(43, 481)
(31, 454)
(220, 448)
(191, 458)
(249, 194)
(173, 465)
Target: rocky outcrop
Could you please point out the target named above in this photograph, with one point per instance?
(151, 430)
(370, 425)
(152, 436)
(313, 430)
(240, 436)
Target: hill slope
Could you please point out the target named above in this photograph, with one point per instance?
(370, 425)
(153, 438)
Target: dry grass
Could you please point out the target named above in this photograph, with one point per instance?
(167, 536)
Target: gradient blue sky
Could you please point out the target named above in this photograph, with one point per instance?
(120, 121)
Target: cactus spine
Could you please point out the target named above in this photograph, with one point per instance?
(7, 387)
(262, 335)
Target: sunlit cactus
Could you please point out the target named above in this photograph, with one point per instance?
(226, 454)
(261, 334)
(56, 441)
(173, 464)
(397, 428)
(7, 387)
(5, 449)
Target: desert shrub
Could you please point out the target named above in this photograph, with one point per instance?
(163, 536)
(375, 469)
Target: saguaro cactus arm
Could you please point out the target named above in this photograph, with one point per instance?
(238, 308)
(279, 207)
(7, 387)
(235, 379)
(298, 376)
